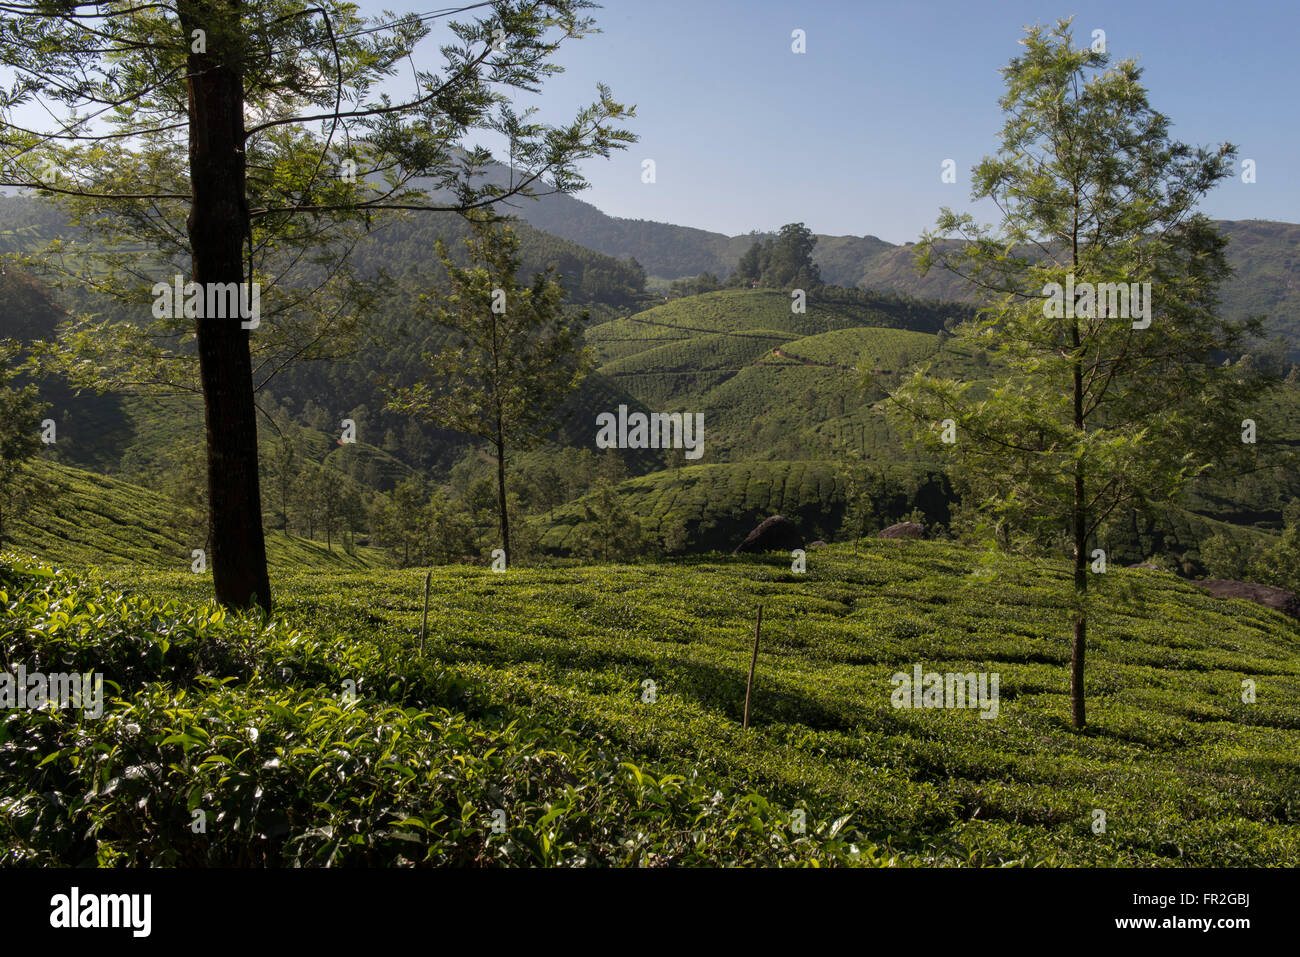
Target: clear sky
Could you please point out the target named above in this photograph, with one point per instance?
(849, 137)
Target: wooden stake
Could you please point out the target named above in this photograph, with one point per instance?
(424, 627)
(749, 688)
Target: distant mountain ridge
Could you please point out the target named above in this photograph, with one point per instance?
(1264, 253)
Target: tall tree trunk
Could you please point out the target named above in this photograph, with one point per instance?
(1078, 647)
(218, 224)
(1079, 522)
(501, 491)
(499, 438)
(1078, 713)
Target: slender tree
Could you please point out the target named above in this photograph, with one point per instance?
(613, 531)
(402, 521)
(1104, 397)
(252, 141)
(512, 356)
(285, 464)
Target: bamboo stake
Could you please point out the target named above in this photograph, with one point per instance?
(752, 662)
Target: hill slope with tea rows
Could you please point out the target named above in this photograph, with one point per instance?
(598, 709)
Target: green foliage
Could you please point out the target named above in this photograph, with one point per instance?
(420, 529)
(513, 355)
(89, 520)
(715, 506)
(1076, 403)
(237, 741)
(20, 438)
(784, 261)
(1225, 556)
(1123, 439)
(1105, 404)
(704, 282)
(535, 706)
(1274, 562)
(1279, 564)
(612, 532)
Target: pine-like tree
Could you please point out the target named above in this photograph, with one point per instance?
(1091, 409)
(513, 355)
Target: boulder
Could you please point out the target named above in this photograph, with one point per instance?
(1146, 565)
(1278, 599)
(775, 534)
(817, 544)
(904, 530)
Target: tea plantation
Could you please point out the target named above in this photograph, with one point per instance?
(592, 716)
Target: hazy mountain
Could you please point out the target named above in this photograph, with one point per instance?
(1265, 254)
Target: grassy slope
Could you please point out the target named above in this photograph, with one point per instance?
(1186, 773)
(771, 383)
(778, 387)
(94, 520)
(728, 311)
(864, 348)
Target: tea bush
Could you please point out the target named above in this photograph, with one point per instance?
(236, 741)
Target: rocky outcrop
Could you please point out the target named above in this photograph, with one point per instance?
(904, 530)
(775, 534)
(1278, 599)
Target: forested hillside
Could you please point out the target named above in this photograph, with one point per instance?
(785, 388)
(1265, 255)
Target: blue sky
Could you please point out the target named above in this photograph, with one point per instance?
(849, 136)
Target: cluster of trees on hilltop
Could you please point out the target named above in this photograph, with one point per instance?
(783, 261)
